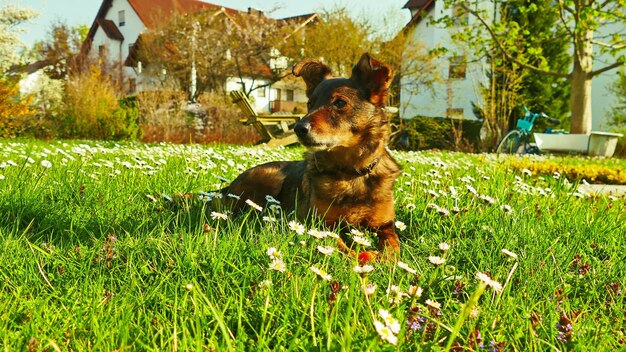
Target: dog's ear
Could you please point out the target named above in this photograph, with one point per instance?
(312, 72)
(375, 76)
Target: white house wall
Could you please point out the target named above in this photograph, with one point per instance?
(602, 98)
(131, 30)
(259, 104)
(447, 93)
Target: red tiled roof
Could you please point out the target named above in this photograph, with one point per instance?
(153, 11)
(110, 29)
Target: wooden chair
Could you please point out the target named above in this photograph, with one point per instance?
(275, 129)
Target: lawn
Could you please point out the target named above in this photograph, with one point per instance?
(100, 249)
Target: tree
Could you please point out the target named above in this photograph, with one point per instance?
(60, 50)
(618, 112)
(10, 19)
(338, 39)
(548, 94)
(215, 45)
(581, 20)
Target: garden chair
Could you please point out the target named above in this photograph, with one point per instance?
(275, 129)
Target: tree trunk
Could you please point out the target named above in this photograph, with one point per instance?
(581, 83)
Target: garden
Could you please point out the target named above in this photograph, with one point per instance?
(114, 246)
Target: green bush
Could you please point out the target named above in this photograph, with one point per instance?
(93, 109)
(422, 132)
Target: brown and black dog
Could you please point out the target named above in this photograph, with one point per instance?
(347, 175)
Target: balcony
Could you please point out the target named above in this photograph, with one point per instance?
(287, 106)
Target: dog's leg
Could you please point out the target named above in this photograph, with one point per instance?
(388, 241)
(255, 184)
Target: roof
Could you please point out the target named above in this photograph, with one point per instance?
(299, 18)
(415, 3)
(110, 29)
(419, 14)
(150, 12)
(153, 11)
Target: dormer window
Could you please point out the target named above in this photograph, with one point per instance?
(121, 18)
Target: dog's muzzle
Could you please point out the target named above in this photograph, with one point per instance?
(302, 129)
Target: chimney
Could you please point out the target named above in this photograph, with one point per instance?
(253, 11)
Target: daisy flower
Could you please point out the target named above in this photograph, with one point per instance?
(321, 273)
(415, 291)
(489, 281)
(400, 225)
(296, 227)
(221, 216)
(326, 250)
(278, 265)
(265, 284)
(433, 304)
(395, 294)
(509, 253)
(369, 289)
(436, 260)
(361, 240)
(273, 253)
(444, 247)
(317, 234)
(254, 205)
(391, 322)
(407, 268)
(385, 332)
(471, 189)
(363, 269)
(47, 164)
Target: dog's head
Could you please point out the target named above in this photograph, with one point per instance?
(343, 112)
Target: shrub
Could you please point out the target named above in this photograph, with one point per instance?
(436, 133)
(166, 116)
(14, 109)
(592, 172)
(93, 109)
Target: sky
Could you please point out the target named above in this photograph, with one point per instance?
(76, 12)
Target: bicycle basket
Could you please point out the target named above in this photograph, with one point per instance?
(524, 125)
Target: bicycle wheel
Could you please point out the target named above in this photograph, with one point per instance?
(511, 143)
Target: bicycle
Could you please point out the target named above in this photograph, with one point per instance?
(517, 141)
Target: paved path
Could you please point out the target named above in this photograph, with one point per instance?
(615, 190)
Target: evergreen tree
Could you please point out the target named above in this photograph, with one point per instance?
(548, 94)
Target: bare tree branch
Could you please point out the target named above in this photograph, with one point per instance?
(607, 68)
(610, 46)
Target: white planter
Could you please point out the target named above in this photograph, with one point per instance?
(562, 142)
(595, 144)
(603, 143)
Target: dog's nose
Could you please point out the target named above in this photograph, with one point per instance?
(302, 128)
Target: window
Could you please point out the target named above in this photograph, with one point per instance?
(454, 113)
(102, 51)
(458, 67)
(121, 18)
(289, 94)
(261, 92)
(132, 85)
(459, 16)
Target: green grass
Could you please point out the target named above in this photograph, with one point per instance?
(93, 256)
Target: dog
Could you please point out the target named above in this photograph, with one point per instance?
(348, 175)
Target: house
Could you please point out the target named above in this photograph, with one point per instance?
(461, 75)
(117, 31)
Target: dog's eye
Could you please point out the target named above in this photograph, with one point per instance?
(339, 103)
